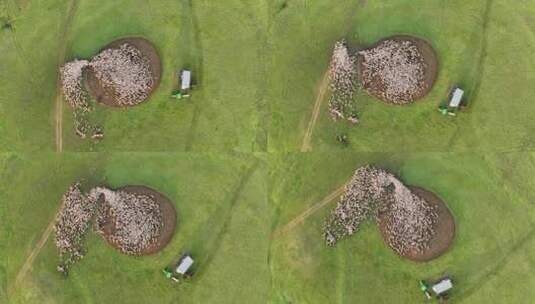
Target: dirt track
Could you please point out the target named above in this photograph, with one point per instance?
(58, 142)
(308, 212)
(321, 90)
(33, 254)
(61, 59)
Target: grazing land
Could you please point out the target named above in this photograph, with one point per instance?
(253, 161)
(227, 110)
(476, 51)
(490, 257)
(221, 201)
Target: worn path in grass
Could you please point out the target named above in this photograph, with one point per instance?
(61, 59)
(308, 212)
(191, 29)
(479, 68)
(498, 266)
(59, 144)
(321, 89)
(213, 245)
(31, 257)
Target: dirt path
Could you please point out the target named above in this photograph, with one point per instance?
(33, 254)
(61, 59)
(308, 212)
(59, 147)
(321, 90)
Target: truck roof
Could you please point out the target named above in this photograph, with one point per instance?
(442, 286)
(456, 98)
(185, 79)
(184, 265)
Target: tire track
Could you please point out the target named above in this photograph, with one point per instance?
(21, 54)
(28, 263)
(263, 51)
(298, 220)
(212, 245)
(480, 66)
(196, 54)
(530, 235)
(215, 241)
(341, 278)
(59, 146)
(73, 4)
(321, 90)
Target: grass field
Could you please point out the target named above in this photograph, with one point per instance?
(490, 258)
(229, 157)
(476, 50)
(226, 112)
(223, 220)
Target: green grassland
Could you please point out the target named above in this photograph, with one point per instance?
(227, 157)
(482, 46)
(223, 221)
(228, 207)
(227, 110)
(491, 257)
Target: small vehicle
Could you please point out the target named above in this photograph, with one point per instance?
(185, 85)
(439, 290)
(454, 103)
(442, 287)
(181, 270)
(424, 287)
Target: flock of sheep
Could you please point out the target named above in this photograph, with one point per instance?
(136, 221)
(376, 194)
(394, 71)
(343, 83)
(125, 71)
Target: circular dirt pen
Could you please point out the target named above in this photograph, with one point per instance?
(445, 228)
(430, 73)
(106, 96)
(168, 217)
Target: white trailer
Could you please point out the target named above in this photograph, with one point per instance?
(456, 98)
(184, 265)
(185, 80)
(442, 287)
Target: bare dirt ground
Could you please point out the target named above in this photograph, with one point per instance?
(106, 96)
(445, 228)
(321, 90)
(428, 54)
(298, 220)
(168, 213)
